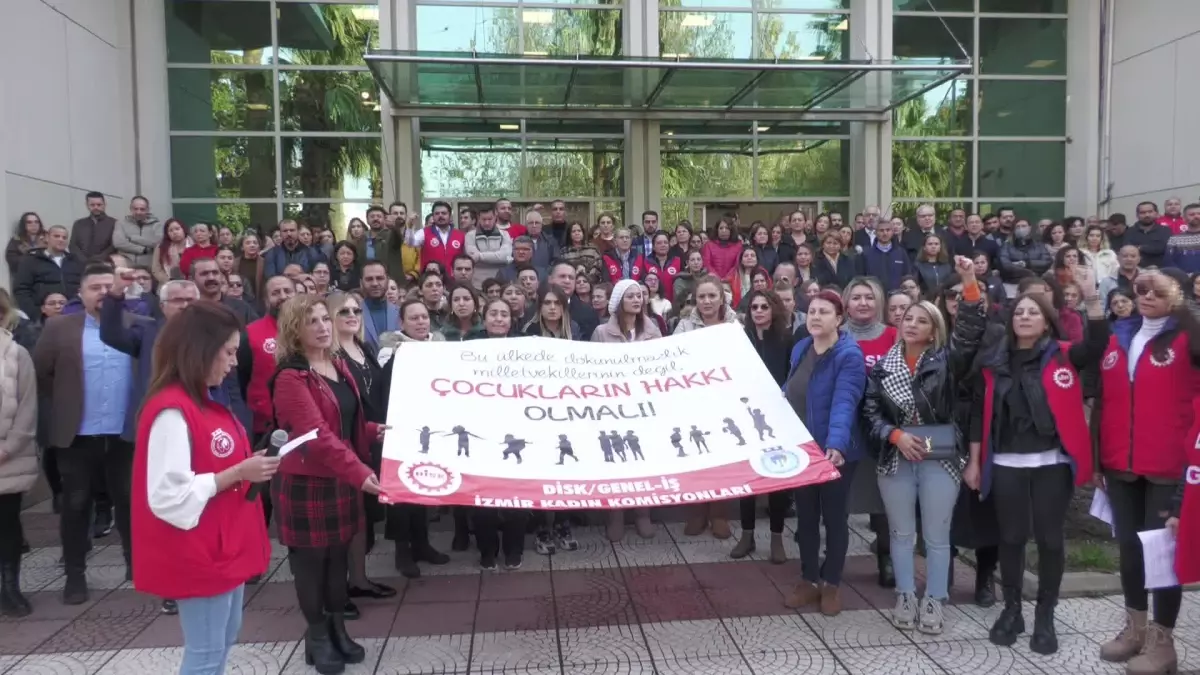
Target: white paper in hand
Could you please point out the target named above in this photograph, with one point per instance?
(1101, 509)
(1158, 556)
(297, 442)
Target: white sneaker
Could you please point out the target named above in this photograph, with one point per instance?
(932, 617)
(904, 614)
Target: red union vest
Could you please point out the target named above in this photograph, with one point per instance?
(1064, 394)
(667, 273)
(1161, 391)
(1187, 550)
(612, 264)
(261, 337)
(229, 544)
(434, 249)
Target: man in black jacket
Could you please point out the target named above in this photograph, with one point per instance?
(562, 274)
(1148, 236)
(914, 239)
(47, 270)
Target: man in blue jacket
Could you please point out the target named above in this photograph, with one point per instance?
(885, 259)
(290, 252)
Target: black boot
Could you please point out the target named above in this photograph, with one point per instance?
(351, 651)
(1011, 623)
(887, 576)
(985, 587)
(75, 592)
(1044, 640)
(319, 651)
(462, 530)
(423, 552)
(12, 603)
(405, 563)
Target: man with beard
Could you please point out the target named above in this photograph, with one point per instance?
(207, 277)
(562, 274)
(138, 235)
(256, 354)
(558, 220)
(289, 252)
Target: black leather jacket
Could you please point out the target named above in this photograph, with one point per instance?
(935, 385)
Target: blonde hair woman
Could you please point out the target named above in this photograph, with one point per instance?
(18, 455)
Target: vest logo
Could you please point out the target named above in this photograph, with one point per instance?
(1192, 475)
(269, 346)
(435, 242)
(222, 444)
(872, 359)
(1064, 378)
(671, 270)
(1110, 361)
(1167, 359)
(455, 244)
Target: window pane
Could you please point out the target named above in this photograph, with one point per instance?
(226, 167)
(1023, 6)
(325, 100)
(311, 34)
(708, 168)
(470, 168)
(803, 168)
(1022, 169)
(464, 29)
(218, 31)
(324, 167)
(908, 210)
(803, 36)
(923, 39)
(320, 214)
(711, 36)
(673, 212)
(594, 32)
(937, 5)
(1023, 46)
(555, 169)
(1031, 211)
(943, 111)
(930, 170)
(220, 100)
(1022, 108)
(236, 216)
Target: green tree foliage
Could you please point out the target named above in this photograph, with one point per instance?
(932, 169)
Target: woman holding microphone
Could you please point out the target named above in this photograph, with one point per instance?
(192, 467)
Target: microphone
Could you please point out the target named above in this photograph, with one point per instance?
(279, 438)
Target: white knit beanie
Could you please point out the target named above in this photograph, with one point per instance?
(614, 300)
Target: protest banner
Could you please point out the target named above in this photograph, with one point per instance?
(541, 423)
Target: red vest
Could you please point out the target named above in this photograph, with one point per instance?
(1187, 552)
(874, 350)
(435, 250)
(230, 543)
(667, 273)
(1159, 398)
(261, 336)
(1064, 394)
(612, 264)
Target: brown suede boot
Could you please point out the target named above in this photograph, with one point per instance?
(778, 555)
(744, 546)
(1129, 641)
(803, 595)
(1158, 655)
(831, 600)
(697, 521)
(720, 528)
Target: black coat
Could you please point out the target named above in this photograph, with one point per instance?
(931, 275)
(825, 274)
(39, 276)
(776, 354)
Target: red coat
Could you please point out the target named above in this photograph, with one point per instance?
(612, 267)
(1064, 394)
(260, 335)
(667, 272)
(1144, 423)
(230, 543)
(435, 250)
(192, 254)
(721, 259)
(1187, 550)
(303, 401)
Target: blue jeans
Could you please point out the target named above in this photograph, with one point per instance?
(938, 491)
(210, 629)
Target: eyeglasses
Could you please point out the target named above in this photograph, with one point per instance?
(349, 311)
(760, 308)
(1144, 290)
(235, 284)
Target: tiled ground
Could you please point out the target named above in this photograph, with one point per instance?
(669, 605)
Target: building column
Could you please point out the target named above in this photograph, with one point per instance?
(1084, 193)
(401, 161)
(152, 131)
(642, 170)
(871, 142)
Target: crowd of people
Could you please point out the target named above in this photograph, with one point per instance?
(964, 378)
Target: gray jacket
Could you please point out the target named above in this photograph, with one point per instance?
(137, 241)
(494, 249)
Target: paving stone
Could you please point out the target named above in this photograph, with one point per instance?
(515, 650)
(672, 606)
(434, 618)
(374, 648)
(978, 657)
(957, 626)
(893, 660)
(515, 586)
(854, 629)
(759, 634)
(647, 555)
(66, 663)
(24, 636)
(443, 589)
(612, 668)
(433, 654)
(806, 662)
(244, 659)
(506, 615)
(1090, 615)
(986, 617)
(99, 577)
(704, 665)
(601, 644)
(685, 639)
(1077, 655)
(664, 579)
(583, 611)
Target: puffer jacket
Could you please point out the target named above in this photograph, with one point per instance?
(18, 417)
(494, 250)
(611, 332)
(835, 391)
(1035, 256)
(692, 321)
(720, 257)
(452, 333)
(935, 385)
(138, 241)
(39, 276)
(391, 340)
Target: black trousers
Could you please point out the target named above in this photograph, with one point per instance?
(89, 464)
(500, 530)
(1041, 495)
(828, 502)
(407, 524)
(50, 468)
(1139, 505)
(10, 529)
(777, 503)
(319, 575)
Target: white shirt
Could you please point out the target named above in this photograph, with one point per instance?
(176, 494)
(1149, 330)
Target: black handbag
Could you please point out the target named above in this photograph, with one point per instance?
(940, 440)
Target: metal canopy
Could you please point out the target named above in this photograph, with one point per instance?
(456, 84)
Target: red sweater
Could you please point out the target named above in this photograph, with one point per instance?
(192, 254)
(876, 349)
(230, 543)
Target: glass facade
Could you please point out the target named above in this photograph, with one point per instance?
(997, 137)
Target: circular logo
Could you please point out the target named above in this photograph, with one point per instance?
(455, 244)
(1064, 378)
(222, 444)
(672, 270)
(1109, 361)
(434, 242)
(1168, 358)
(429, 479)
(269, 346)
(779, 462)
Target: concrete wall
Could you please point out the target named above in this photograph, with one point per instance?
(1156, 46)
(68, 121)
